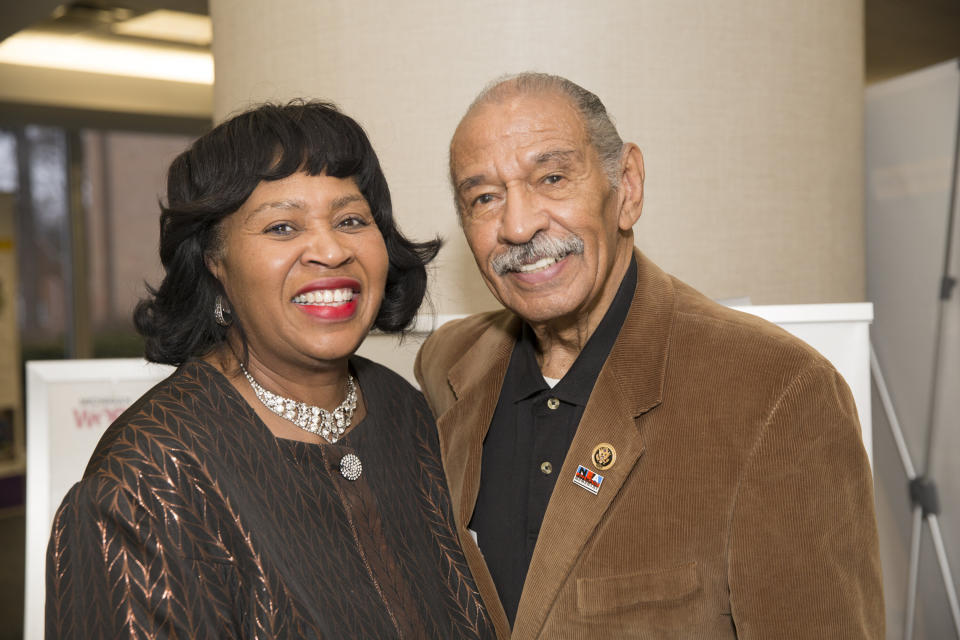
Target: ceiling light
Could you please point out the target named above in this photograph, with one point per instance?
(174, 26)
(98, 54)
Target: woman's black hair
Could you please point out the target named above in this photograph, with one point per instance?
(215, 176)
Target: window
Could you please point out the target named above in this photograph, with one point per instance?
(86, 224)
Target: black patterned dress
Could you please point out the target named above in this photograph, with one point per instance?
(193, 521)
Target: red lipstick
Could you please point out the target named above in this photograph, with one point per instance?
(329, 310)
(330, 283)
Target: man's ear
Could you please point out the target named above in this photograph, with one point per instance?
(631, 186)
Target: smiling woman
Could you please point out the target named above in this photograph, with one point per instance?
(304, 264)
(275, 485)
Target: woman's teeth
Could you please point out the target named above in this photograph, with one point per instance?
(542, 263)
(325, 296)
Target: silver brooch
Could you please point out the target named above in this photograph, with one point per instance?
(350, 467)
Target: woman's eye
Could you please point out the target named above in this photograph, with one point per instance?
(281, 228)
(553, 178)
(351, 222)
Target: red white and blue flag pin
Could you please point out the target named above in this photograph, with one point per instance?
(587, 479)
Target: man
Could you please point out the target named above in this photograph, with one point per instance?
(626, 457)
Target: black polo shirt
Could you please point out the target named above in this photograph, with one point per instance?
(529, 435)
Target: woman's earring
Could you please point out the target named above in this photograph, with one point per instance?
(221, 314)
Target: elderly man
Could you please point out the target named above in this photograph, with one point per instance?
(626, 457)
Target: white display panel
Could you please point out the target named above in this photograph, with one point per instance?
(69, 405)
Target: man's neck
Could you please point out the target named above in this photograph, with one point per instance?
(560, 340)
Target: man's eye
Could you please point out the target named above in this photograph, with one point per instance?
(483, 199)
(553, 178)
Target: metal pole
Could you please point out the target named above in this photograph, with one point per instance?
(945, 569)
(947, 282)
(914, 572)
(888, 409)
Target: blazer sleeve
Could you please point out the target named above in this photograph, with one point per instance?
(113, 571)
(804, 554)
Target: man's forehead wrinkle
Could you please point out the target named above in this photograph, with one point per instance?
(505, 138)
(561, 156)
(515, 116)
(512, 159)
(470, 182)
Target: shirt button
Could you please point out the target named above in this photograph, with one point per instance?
(546, 468)
(553, 403)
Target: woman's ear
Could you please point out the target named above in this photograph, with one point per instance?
(214, 254)
(214, 262)
(631, 186)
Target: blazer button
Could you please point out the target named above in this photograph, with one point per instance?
(546, 468)
(553, 403)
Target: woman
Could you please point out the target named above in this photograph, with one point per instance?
(276, 485)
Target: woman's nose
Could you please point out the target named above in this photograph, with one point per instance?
(325, 248)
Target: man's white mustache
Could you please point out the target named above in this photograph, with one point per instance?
(539, 247)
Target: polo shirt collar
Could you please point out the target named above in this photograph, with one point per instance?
(577, 385)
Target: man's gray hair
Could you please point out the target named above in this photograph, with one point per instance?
(601, 131)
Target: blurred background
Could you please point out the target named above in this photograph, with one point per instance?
(754, 117)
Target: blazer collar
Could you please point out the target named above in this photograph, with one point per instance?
(484, 365)
(638, 360)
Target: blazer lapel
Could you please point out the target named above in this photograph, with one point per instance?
(476, 380)
(630, 383)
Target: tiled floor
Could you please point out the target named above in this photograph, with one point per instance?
(12, 539)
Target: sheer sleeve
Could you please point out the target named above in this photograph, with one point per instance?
(116, 570)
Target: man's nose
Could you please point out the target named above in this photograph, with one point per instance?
(325, 248)
(522, 217)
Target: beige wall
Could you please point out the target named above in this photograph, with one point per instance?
(749, 113)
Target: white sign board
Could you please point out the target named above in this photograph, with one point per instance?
(69, 405)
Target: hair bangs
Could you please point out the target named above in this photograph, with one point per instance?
(317, 144)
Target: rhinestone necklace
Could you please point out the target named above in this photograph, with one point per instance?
(329, 425)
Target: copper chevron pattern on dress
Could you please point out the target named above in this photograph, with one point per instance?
(194, 521)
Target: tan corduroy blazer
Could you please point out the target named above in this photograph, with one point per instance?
(740, 504)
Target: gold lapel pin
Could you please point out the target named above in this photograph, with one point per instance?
(604, 455)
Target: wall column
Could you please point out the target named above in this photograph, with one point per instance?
(749, 114)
